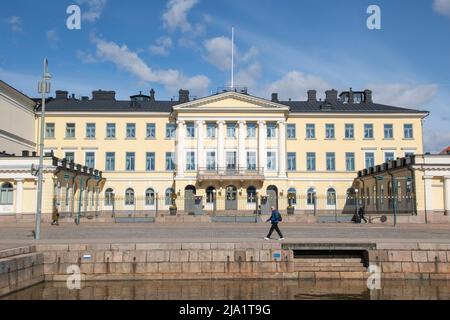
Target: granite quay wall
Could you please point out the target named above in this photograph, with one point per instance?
(20, 268)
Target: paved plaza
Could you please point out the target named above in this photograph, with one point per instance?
(13, 234)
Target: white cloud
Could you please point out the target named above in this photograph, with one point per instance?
(442, 7)
(129, 61)
(403, 95)
(248, 76)
(295, 85)
(86, 57)
(94, 9)
(15, 23)
(436, 141)
(218, 53)
(52, 38)
(175, 16)
(162, 46)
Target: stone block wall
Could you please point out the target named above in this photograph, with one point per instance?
(20, 268)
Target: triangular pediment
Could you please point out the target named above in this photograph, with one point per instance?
(230, 101)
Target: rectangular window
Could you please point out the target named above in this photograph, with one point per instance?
(310, 131)
(231, 158)
(110, 130)
(49, 130)
(190, 161)
(211, 160)
(311, 161)
(271, 130)
(349, 131)
(271, 161)
(70, 130)
(350, 161)
(190, 130)
(329, 131)
(211, 130)
(409, 153)
(89, 160)
(291, 131)
(408, 131)
(251, 160)
(331, 161)
(150, 161)
(70, 156)
(370, 159)
(251, 130)
(130, 161)
(170, 131)
(291, 161)
(231, 131)
(110, 161)
(170, 161)
(388, 131)
(368, 131)
(90, 130)
(388, 156)
(131, 130)
(151, 131)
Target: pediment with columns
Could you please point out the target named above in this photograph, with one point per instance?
(231, 102)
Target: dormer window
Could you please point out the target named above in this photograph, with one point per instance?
(358, 97)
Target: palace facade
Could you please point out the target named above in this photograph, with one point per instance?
(230, 148)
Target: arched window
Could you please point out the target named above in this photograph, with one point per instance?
(168, 196)
(311, 197)
(150, 197)
(251, 194)
(129, 197)
(292, 193)
(331, 197)
(210, 194)
(6, 194)
(109, 197)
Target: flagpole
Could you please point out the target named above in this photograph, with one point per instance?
(232, 58)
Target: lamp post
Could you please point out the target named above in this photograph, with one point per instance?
(43, 89)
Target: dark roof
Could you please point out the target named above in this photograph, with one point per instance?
(108, 106)
(73, 105)
(321, 106)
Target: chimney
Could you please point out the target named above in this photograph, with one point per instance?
(103, 95)
(331, 96)
(152, 95)
(351, 97)
(312, 95)
(25, 153)
(61, 95)
(274, 97)
(368, 96)
(34, 153)
(183, 96)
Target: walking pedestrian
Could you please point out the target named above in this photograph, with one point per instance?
(55, 216)
(275, 218)
(361, 213)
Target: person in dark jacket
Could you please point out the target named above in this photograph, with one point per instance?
(275, 218)
(361, 213)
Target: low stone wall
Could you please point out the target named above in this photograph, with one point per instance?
(20, 268)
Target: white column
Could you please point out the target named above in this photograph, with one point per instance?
(428, 193)
(200, 144)
(19, 196)
(241, 156)
(281, 149)
(181, 131)
(220, 144)
(447, 195)
(262, 135)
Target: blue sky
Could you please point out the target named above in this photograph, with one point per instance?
(286, 46)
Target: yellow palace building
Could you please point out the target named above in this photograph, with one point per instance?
(228, 152)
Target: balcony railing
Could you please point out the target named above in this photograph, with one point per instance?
(230, 173)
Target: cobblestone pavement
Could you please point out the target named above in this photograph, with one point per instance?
(21, 234)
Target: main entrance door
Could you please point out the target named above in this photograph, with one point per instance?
(231, 198)
(189, 200)
(272, 196)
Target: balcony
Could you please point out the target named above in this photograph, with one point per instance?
(230, 174)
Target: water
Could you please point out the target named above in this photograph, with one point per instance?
(236, 290)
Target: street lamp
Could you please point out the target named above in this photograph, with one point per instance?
(43, 89)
